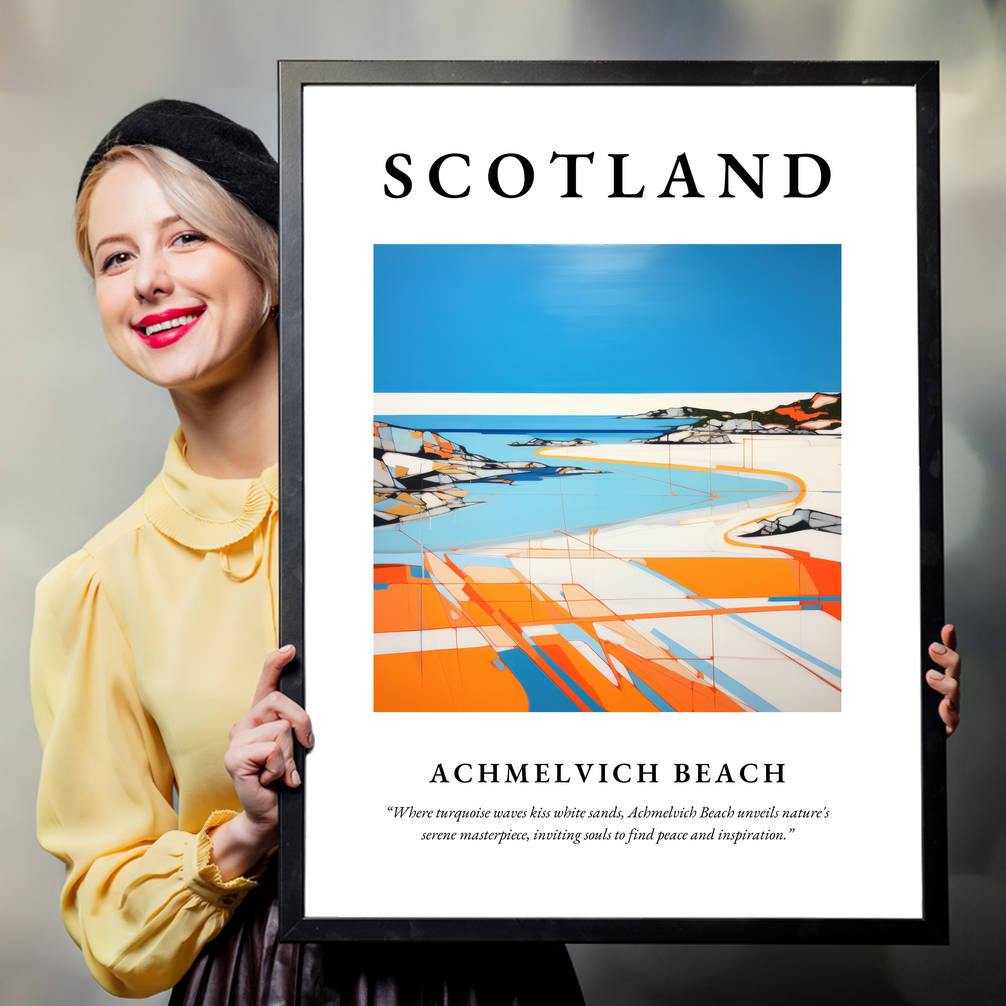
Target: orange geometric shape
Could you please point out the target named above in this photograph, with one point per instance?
(797, 412)
(820, 576)
(459, 680)
(582, 603)
(731, 576)
(799, 575)
(623, 697)
(405, 607)
(820, 400)
(403, 509)
(440, 446)
(387, 572)
(552, 647)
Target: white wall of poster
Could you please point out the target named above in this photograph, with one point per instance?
(862, 764)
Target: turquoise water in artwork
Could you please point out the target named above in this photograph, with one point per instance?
(535, 506)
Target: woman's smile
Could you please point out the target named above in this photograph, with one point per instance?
(167, 327)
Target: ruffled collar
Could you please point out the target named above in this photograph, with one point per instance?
(203, 513)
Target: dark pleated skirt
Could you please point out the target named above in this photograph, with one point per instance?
(246, 965)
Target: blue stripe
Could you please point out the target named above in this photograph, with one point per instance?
(659, 701)
(720, 678)
(571, 631)
(583, 696)
(667, 579)
(788, 646)
(543, 694)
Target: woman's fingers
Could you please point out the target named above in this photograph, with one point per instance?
(277, 706)
(271, 670)
(946, 681)
(261, 749)
(944, 684)
(949, 688)
(260, 761)
(274, 766)
(277, 735)
(949, 712)
(949, 661)
(270, 703)
(944, 654)
(949, 636)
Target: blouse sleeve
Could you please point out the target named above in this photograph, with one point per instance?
(141, 898)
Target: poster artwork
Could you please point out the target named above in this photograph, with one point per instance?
(580, 546)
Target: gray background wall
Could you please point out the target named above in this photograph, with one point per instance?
(81, 436)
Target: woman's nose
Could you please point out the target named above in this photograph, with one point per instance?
(152, 277)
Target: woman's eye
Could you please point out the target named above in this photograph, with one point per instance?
(114, 261)
(190, 238)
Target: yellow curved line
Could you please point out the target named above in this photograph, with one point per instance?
(792, 504)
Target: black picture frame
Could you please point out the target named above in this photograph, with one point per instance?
(931, 927)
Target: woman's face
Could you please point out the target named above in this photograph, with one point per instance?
(177, 308)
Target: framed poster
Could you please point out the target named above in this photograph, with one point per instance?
(642, 361)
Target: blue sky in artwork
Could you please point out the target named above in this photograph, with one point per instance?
(607, 318)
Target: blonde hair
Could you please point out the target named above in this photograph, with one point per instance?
(199, 200)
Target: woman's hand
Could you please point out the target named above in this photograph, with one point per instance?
(947, 682)
(260, 753)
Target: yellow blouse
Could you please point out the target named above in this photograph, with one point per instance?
(147, 647)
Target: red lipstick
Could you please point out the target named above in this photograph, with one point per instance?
(166, 327)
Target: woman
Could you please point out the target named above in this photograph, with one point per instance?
(149, 642)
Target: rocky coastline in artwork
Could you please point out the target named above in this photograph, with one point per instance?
(822, 413)
(538, 442)
(798, 520)
(418, 473)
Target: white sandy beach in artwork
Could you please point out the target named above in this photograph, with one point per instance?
(809, 465)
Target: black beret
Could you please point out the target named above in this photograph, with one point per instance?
(231, 154)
